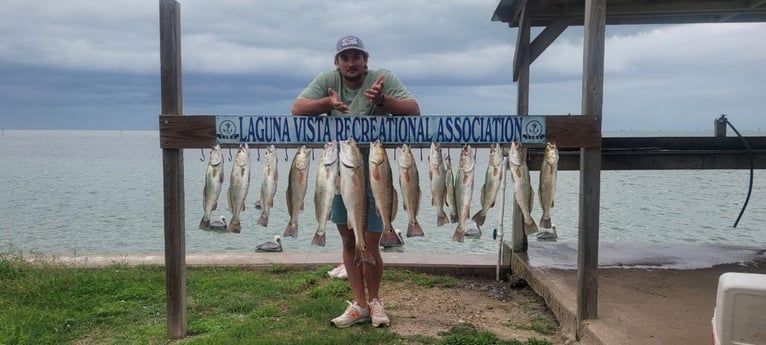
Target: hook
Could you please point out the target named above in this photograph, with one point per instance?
(286, 158)
(421, 154)
(258, 151)
(202, 151)
(230, 157)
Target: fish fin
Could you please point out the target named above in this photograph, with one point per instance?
(291, 230)
(433, 201)
(453, 218)
(263, 220)
(414, 229)
(545, 223)
(215, 206)
(302, 202)
(553, 203)
(389, 239)
(479, 217)
(319, 240)
(204, 224)
(441, 218)
(459, 235)
(234, 226)
(530, 228)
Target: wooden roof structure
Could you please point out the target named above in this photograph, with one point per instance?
(555, 16)
(547, 12)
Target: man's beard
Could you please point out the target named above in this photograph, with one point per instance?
(356, 78)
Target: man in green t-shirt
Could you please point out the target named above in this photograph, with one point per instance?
(352, 89)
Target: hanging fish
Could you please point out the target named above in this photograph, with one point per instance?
(297, 184)
(325, 189)
(522, 187)
(409, 184)
(268, 185)
(547, 187)
(491, 183)
(213, 183)
(353, 191)
(463, 191)
(382, 186)
(449, 189)
(437, 176)
(239, 182)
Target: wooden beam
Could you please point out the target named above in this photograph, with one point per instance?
(521, 53)
(521, 74)
(546, 37)
(173, 171)
(590, 165)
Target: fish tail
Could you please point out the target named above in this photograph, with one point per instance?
(441, 218)
(414, 229)
(389, 239)
(479, 217)
(319, 240)
(459, 234)
(291, 230)
(530, 228)
(263, 220)
(234, 226)
(545, 222)
(363, 255)
(204, 224)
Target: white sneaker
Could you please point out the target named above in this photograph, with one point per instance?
(338, 272)
(378, 313)
(354, 314)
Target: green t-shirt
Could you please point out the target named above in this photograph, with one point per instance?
(354, 98)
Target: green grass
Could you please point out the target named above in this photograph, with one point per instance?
(46, 303)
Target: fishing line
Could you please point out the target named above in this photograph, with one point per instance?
(750, 152)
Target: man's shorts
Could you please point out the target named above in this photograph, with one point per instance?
(339, 216)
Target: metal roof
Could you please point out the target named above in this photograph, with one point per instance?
(545, 12)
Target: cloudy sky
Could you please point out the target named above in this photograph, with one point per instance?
(83, 64)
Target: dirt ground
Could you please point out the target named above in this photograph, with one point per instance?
(485, 303)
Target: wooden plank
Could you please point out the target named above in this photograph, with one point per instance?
(187, 131)
(546, 37)
(590, 165)
(518, 237)
(172, 171)
(659, 160)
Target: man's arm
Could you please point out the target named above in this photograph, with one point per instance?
(397, 106)
(308, 106)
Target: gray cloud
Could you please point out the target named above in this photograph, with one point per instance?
(96, 64)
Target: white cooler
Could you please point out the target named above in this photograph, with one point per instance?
(739, 317)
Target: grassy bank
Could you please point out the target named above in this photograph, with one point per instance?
(46, 303)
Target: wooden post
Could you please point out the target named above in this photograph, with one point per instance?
(590, 164)
(173, 171)
(521, 66)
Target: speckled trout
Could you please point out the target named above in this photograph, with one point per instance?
(491, 183)
(409, 184)
(547, 186)
(353, 191)
(522, 187)
(213, 182)
(463, 191)
(449, 189)
(382, 186)
(239, 182)
(325, 189)
(437, 176)
(297, 184)
(268, 185)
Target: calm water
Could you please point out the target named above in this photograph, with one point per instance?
(66, 192)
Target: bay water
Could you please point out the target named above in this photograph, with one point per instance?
(101, 192)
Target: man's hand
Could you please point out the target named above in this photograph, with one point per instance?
(336, 103)
(375, 92)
